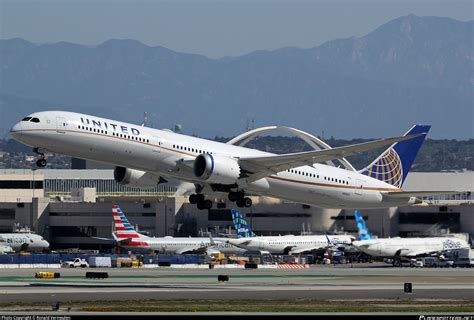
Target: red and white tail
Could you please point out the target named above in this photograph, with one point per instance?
(123, 228)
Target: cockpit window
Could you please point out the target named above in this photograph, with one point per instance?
(35, 120)
(26, 119)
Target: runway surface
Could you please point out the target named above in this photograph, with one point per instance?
(320, 282)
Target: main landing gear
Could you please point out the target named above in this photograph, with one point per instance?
(41, 162)
(201, 202)
(240, 198)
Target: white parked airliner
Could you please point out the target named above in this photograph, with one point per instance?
(409, 247)
(22, 241)
(288, 244)
(128, 238)
(145, 157)
(399, 248)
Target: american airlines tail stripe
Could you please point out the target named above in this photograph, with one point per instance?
(121, 227)
(128, 235)
(123, 224)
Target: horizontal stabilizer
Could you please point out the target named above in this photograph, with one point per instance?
(105, 239)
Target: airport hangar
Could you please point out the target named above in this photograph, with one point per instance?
(69, 207)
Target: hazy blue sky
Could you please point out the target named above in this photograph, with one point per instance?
(212, 28)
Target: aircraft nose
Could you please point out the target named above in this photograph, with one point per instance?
(15, 131)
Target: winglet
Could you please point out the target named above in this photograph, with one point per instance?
(211, 240)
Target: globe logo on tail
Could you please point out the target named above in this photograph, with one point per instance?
(388, 169)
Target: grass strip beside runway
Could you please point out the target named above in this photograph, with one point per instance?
(298, 305)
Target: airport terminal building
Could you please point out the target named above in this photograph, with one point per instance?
(72, 207)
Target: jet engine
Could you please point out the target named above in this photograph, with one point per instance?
(136, 178)
(216, 169)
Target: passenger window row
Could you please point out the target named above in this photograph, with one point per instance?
(119, 135)
(194, 150)
(313, 175)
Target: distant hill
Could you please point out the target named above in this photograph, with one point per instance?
(409, 70)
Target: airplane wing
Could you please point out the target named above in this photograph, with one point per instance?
(409, 194)
(199, 250)
(240, 243)
(303, 250)
(422, 253)
(407, 252)
(262, 167)
(115, 241)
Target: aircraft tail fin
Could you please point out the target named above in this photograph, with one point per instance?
(393, 165)
(361, 227)
(123, 228)
(242, 227)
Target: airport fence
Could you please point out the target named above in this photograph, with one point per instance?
(50, 259)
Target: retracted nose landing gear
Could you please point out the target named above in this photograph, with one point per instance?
(41, 162)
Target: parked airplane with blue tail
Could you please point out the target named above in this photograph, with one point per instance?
(287, 244)
(403, 248)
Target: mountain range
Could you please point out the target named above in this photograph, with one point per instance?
(410, 70)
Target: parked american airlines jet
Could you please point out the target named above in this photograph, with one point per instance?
(146, 157)
(128, 238)
(23, 241)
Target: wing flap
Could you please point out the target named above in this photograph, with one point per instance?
(302, 250)
(421, 253)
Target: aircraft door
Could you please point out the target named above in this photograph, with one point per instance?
(61, 124)
(157, 142)
(359, 187)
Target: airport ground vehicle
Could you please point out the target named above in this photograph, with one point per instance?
(460, 258)
(429, 262)
(465, 260)
(76, 263)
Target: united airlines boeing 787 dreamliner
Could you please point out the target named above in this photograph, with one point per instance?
(146, 157)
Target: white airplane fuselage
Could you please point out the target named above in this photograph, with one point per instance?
(289, 243)
(406, 247)
(181, 245)
(160, 151)
(33, 241)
